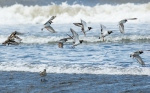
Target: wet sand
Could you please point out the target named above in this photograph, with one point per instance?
(28, 82)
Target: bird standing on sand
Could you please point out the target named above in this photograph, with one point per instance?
(121, 24)
(137, 57)
(47, 25)
(43, 74)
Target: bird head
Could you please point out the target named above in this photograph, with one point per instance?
(109, 32)
(81, 41)
(140, 51)
(90, 28)
(15, 33)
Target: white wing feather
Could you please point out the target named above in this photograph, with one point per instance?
(121, 27)
(139, 59)
(49, 28)
(84, 25)
(75, 36)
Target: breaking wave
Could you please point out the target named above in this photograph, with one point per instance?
(20, 14)
(74, 68)
(92, 39)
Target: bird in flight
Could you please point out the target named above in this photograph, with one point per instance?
(121, 24)
(104, 32)
(75, 38)
(84, 27)
(137, 57)
(47, 25)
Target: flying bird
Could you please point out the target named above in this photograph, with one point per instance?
(13, 39)
(50, 20)
(84, 27)
(62, 41)
(121, 24)
(49, 28)
(104, 32)
(137, 57)
(47, 25)
(75, 38)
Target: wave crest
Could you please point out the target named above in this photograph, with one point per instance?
(92, 39)
(73, 13)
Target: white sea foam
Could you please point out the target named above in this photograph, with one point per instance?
(19, 14)
(92, 39)
(75, 68)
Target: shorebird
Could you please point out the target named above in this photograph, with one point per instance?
(104, 32)
(137, 57)
(14, 36)
(13, 39)
(10, 42)
(121, 24)
(84, 27)
(50, 20)
(75, 38)
(63, 40)
(43, 74)
(47, 25)
(49, 28)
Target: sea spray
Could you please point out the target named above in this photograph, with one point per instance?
(20, 14)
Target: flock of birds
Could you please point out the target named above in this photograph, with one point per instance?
(13, 39)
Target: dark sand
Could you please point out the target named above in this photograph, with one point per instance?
(28, 82)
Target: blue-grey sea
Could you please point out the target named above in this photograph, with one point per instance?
(95, 66)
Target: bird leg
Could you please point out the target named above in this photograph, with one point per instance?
(103, 38)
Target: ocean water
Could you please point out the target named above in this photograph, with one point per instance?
(39, 49)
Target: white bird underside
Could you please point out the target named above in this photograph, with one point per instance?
(121, 27)
(75, 37)
(47, 25)
(104, 31)
(121, 24)
(104, 34)
(49, 28)
(139, 59)
(84, 27)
